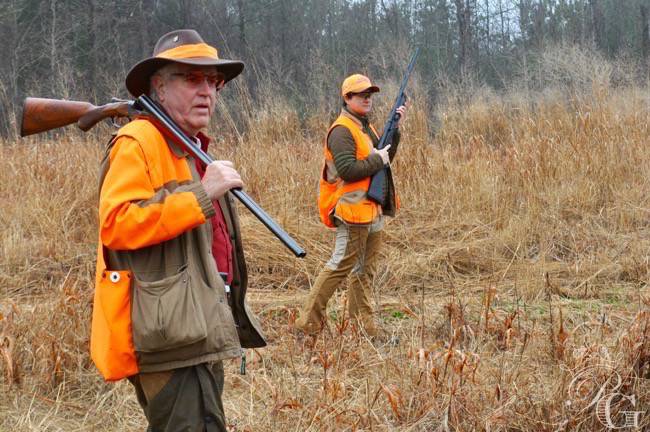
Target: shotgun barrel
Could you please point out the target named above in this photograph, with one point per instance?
(148, 106)
(40, 115)
(378, 184)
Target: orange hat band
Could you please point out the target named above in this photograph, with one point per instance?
(190, 51)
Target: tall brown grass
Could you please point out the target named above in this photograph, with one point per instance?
(515, 275)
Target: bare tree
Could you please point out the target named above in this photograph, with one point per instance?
(598, 23)
(464, 20)
(645, 34)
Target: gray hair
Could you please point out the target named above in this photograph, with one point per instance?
(164, 73)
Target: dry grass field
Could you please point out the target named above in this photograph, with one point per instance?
(515, 276)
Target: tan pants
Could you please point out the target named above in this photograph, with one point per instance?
(356, 251)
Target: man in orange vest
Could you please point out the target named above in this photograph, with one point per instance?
(351, 158)
(171, 278)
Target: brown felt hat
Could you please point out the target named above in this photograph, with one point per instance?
(179, 46)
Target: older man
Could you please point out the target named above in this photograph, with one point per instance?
(163, 315)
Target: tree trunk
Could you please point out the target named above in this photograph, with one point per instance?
(524, 21)
(241, 24)
(538, 25)
(645, 35)
(283, 35)
(373, 18)
(186, 13)
(146, 27)
(53, 68)
(505, 36)
(464, 18)
(92, 43)
(487, 27)
(598, 24)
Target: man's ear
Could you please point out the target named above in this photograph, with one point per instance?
(158, 85)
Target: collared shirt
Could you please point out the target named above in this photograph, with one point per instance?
(221, 245)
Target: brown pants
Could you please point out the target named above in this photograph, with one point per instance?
(186, 399)
(356, 251)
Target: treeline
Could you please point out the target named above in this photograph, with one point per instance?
(82, 49)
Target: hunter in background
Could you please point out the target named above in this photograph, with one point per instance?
(164, 317)
(351, 160)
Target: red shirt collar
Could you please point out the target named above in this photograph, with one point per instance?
(204, 140)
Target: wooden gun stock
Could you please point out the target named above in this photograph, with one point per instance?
(41, 115)
(113, 109)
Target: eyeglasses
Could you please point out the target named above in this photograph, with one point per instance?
(195, 79)
(364, 95)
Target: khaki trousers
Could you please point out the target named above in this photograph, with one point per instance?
(356, 252)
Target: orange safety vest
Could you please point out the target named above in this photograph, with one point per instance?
(111, 339)
(347, 200)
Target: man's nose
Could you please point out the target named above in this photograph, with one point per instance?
(205, 87)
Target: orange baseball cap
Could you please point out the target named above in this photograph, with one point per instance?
(357, 83)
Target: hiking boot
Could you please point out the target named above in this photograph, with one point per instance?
(307, 327)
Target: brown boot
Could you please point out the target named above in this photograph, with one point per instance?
(305, 326)
(366, 326)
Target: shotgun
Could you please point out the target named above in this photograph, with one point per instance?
(378, 184)
(40, 115)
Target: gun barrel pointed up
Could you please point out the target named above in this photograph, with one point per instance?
(378, 188)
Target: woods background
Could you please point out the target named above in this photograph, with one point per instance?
(516, 276)
(82, 49)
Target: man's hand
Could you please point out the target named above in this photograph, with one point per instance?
(402, 113)
(219, 178)
(383, 153)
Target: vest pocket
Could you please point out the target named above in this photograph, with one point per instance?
(327, 197)
(166, 314)
(111, 342)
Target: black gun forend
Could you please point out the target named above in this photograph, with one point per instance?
(149, 107)
(378, 184)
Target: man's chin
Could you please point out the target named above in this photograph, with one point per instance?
(201, 123)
